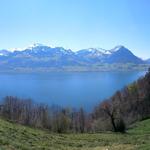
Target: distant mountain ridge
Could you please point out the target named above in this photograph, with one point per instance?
(119, 54)
(40, 55)
(148, 61)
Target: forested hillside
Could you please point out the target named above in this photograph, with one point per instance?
(126, 106)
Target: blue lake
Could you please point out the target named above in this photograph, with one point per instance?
(73, 89)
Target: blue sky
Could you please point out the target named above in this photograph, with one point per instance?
(76, 24)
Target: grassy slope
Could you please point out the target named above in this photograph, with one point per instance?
(17, 137)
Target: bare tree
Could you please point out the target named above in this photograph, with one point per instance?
(111, 112)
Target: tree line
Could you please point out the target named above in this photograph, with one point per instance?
(126, 106)
(54, 118)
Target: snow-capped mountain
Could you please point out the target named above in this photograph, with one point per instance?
(91, 55)
(39, 55)
(4, 52)
(40, 50)
(121, 54)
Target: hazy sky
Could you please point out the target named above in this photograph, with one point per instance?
(76, 24)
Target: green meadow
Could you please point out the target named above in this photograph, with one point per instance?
(18, 137)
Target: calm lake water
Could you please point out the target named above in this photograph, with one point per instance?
(73, 89)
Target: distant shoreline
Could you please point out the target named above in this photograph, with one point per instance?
(98, 68)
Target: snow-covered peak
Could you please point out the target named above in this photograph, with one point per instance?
(104, 51)
(117, 48)
(61, 49)
(38, 44)
(4, 52)
(94, 50)
(90, 51)
(34, 45)
(100, 51)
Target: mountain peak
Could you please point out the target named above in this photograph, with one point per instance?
(35, 45)
(90, 51)
(118, 47)
(4, 52)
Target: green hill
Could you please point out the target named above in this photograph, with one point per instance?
(18, 137)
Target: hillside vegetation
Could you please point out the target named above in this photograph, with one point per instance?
(126, 106)
(18, 137)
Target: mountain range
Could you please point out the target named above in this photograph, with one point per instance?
(39, 56)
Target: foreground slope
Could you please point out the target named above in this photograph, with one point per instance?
(17, 137)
